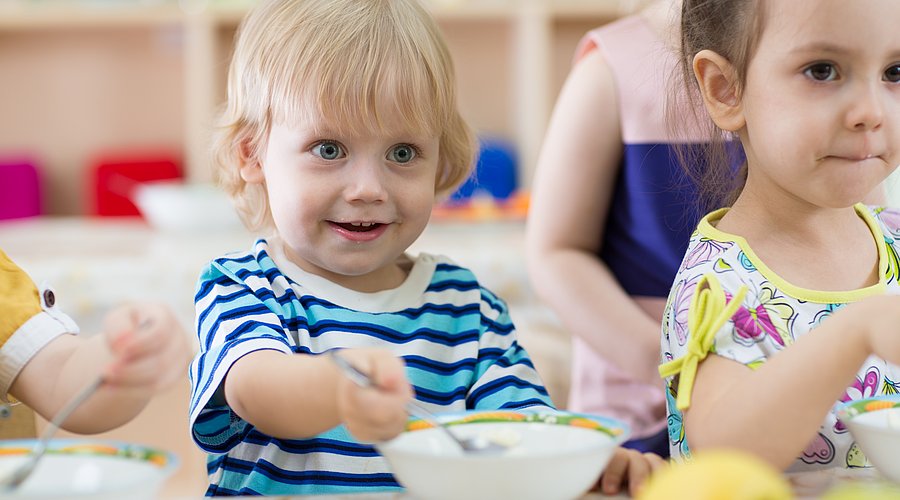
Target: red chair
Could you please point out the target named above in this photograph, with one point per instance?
(116, 177)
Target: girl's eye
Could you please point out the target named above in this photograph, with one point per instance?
(328, 150)
(893, 74)
(402, 153)
(821, 72)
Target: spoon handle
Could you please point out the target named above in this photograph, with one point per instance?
(353, 373)
(22, 472)
(63, 414)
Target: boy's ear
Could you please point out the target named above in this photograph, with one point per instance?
(251, 169)
(719, 86)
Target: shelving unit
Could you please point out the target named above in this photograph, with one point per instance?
(78, 78)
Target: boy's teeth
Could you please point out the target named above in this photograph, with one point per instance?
(361, 224)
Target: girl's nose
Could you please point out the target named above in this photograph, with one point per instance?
(366, 183)
(866, 110)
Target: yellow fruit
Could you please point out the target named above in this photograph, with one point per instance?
(718, 475)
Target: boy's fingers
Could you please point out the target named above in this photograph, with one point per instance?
(655, 460)
(640, 469)
(389, 374)
(614, 474)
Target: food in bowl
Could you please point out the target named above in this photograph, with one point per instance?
(874, 424)
(88, 469)
(552, 456)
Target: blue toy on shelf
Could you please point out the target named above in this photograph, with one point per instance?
(495, 173)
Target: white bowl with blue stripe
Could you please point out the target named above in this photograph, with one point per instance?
(553, 456)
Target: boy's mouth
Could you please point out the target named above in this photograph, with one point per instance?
(358, 227)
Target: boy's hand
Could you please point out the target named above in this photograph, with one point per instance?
(628, 469)
(375, 413)
(150, 349)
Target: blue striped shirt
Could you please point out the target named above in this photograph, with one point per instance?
(455, 336)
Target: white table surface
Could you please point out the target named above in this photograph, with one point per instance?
(97, 262)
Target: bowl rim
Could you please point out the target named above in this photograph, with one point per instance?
(82, 446)
(848, 410)
(616, 430)
(607, 425)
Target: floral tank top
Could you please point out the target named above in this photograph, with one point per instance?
(747, 313)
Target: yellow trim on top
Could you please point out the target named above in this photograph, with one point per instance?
(709, 310)
(707, 229)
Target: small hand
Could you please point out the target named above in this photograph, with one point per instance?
(375, 413)
(628, 469)
(150, 349)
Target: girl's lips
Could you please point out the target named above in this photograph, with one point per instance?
(358, 234)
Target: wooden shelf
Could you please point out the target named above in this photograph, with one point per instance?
(507, 54)
(24, 17)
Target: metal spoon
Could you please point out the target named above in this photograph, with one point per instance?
(21, 473)
(473, 445)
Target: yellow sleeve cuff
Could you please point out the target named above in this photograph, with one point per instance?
(709, 310)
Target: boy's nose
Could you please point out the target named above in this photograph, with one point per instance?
(366, 183)
(866, 110)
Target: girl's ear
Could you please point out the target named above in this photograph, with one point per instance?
(251, 169)
(719, 86)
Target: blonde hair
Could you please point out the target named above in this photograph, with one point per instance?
(353, 63)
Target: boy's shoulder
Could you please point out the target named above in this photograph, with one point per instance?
(448, 274)
(237, 265)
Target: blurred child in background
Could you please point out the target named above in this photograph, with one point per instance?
(611, 215)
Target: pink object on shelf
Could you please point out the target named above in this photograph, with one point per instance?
(20, 189)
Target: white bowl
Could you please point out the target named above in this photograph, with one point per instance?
(185, 207)
(89, 469)
(874, 424)
(556, 456)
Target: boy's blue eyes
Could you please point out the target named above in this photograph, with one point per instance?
(401, 153)
(328, 150)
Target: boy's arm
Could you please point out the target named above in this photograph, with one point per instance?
(299, 396)
(284, 395)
